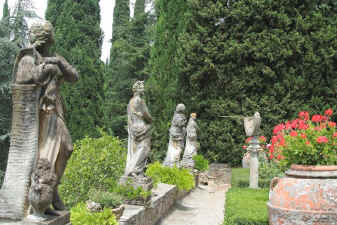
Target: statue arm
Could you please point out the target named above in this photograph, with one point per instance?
(146, 115)
(69, 72)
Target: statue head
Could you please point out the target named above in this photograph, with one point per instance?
(193, 115)
(41, 33)
(138, 87)
(180, 108)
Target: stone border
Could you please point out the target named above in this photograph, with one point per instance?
(165, 196)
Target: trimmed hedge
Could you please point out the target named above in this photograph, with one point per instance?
(245, 206)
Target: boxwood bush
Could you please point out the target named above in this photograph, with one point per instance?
(182, 178)
(96, 163)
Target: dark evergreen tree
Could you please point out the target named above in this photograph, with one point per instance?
(79, 38)
(162, 84)
(275, 57)
(128, 59)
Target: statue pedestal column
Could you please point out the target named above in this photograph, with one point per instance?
(253, 149)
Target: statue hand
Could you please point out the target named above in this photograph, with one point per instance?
(52, 60)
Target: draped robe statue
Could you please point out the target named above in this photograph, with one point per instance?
(177, 137)
(139, 129)
(191, 142)
(36, 68)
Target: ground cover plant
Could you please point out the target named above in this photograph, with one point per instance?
(180, 177)
(245, 206)
(80, 215)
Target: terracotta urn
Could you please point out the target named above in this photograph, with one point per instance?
(307, 195)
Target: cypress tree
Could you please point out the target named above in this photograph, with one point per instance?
(162, 84)
(5, 10)
(129, 57)
(78, 38)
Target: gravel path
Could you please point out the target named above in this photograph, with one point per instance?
(203, 206)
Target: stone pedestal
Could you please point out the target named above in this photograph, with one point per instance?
(253, 149)
(62, 219)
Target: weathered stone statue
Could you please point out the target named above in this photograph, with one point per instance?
(38, 128)
(43, 182)
(191, 142)
(177, 137)
(252, 129)
(139, 140)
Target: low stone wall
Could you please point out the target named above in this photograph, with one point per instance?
(165, 197)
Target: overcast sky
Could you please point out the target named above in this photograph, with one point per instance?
(106, 18)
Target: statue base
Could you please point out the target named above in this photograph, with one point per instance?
(139, 181)
(63, 218)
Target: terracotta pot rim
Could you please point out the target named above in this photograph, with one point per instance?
(313, 168)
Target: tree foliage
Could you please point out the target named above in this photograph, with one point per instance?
(275, 57)
(79, 38)
(162, 85)
(129, 56)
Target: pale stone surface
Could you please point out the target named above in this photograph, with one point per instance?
(139, 129)
(203, 206)
(38, 127)
(252, 124)
(165, 196)
(177, 137)
(252, 129)
(191, 142)
(62, 219)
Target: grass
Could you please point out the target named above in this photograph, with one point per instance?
(245, 206)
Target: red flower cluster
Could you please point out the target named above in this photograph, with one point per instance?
(297, 128)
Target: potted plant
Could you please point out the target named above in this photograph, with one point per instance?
(133, 196)
(100, 200)
(307, 194)
(200, 166)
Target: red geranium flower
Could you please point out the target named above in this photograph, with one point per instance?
(328, 112)
(249, 139)
(293, 133)
(316, 118)
(334, 135)
(322, 139)
(303, 115)
(303, 136)
(331, 124)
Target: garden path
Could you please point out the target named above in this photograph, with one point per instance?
(203, 206)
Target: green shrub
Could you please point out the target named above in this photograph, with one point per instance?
(81, 216)
(95, 163)
(130, 193)
(200, 163)
(106, 199)
(182, 178)
(245, 206)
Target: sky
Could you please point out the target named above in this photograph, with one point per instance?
(106, 18)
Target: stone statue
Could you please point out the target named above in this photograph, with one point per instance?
(139, 129)
(38, 127)
(177, 137)
(192, 144)
(43, 182)
(252, 129)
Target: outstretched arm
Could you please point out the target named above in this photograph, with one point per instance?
(69, 72)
